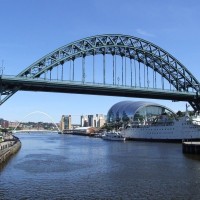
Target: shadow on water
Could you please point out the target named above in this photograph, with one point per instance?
(192, 156)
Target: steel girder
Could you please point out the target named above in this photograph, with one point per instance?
(123, 45)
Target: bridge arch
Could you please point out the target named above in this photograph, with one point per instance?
(136, 49)
(125, 46)
(40, 112)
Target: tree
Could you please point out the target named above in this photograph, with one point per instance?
(180, 114)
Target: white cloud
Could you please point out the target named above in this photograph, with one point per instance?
(142, 32)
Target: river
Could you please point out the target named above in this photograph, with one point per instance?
(54, 166)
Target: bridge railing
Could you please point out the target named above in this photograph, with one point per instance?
(119, 86)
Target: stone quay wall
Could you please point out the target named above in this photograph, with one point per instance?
(8, 148)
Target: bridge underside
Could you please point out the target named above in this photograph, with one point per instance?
(12, 84)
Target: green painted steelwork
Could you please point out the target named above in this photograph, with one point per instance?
(152, 56)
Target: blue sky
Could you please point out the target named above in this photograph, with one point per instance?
(30, 29)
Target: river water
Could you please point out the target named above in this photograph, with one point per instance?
(53, 166)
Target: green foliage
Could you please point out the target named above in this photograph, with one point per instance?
(180, 114)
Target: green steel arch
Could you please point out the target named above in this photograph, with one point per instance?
(131, 47)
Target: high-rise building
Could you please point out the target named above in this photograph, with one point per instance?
(84, 120)
(96, 121)
(66, 122)
(91, 120)
(100, 120)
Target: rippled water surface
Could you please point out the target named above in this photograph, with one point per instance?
(53, 166)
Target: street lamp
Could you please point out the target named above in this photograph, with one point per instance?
(1, 73)
(2, 68)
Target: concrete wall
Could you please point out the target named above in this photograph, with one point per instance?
(8, 149)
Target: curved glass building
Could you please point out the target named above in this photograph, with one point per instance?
(139, 111)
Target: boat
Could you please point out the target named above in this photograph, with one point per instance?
(165, 129)
(113, 135)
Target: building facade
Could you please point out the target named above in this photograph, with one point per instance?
(4, 123)
(65, 122)
(95, 121)
(140, 111)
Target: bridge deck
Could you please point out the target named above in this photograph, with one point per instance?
(41, 85)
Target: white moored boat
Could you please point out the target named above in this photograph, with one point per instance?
(163, 129)
(149, 121)
(116, 136)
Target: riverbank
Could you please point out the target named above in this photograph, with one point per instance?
(9, 147)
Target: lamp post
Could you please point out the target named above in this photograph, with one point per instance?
(2, 68)
(1, 73)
